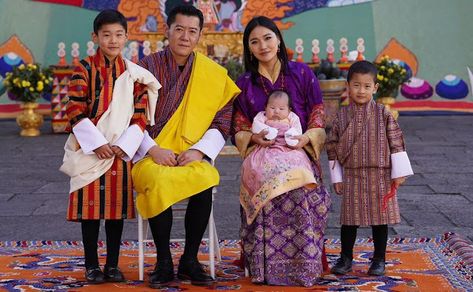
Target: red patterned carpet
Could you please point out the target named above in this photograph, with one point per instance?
(444, 263)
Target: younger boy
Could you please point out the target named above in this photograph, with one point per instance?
(106, 109)
(367, 159)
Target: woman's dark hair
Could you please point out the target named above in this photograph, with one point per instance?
(251, 64)
(362, 67)
(109, 16)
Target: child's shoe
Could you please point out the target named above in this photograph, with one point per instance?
(94, 275)
(342, 266)
(377, 267)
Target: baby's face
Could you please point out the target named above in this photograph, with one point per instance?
(277, 108)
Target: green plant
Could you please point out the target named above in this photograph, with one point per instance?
(234, 68)
(390, 77)
(26, 83)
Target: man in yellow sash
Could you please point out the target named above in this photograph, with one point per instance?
(192, 122)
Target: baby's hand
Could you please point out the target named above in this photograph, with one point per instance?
(338, 187)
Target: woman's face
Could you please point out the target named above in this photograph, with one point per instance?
(263, 44)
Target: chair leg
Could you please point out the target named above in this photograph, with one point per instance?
(141, 261)
(211, 244)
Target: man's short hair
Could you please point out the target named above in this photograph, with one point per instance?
(109, 16)
(187, 10)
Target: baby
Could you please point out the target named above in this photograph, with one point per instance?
(278, 112)
(270, 171)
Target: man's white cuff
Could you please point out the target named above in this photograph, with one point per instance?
(145, 145)
(210, 144)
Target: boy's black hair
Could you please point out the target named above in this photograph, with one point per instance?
(251, 63)
(109, 16)
(363, 67)
(278, 93)
(187, 10)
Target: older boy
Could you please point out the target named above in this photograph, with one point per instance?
(106, 108)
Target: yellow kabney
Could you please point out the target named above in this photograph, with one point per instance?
(160, 187)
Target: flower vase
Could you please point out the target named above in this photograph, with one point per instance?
(387, 102)
(29, 120)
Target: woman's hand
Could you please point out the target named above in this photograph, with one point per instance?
(162, 156)
(260, 140)
(303, 140)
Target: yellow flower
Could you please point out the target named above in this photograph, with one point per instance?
(40, 86)
(21, 67)
(6, 82)
(403, 71)
(380, 77)
(31, 89)
(46, 81)
(25, 83)
(382, 67)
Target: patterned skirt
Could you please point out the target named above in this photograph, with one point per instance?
(108, 197)
(363, 191)
(283, 245)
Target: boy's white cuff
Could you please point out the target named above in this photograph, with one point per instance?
(210, 144)
(88, 136)
(130, 141)
(145, 145)
(336, 171)
(400, 165)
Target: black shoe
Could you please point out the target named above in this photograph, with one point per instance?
(94, 276)
(342, 266)
(377, 268)
(113, 274)
(162, 275)
(192, 270)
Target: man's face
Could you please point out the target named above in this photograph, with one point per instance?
(183, 35)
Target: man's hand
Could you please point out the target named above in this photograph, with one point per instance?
(118, 151)
(104, 152)
(338, 187)
(162, 156)
(188, 156)
(398, 181)
(303, 140)
(260, 140)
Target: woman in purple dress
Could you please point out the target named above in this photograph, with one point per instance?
(283, 245)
